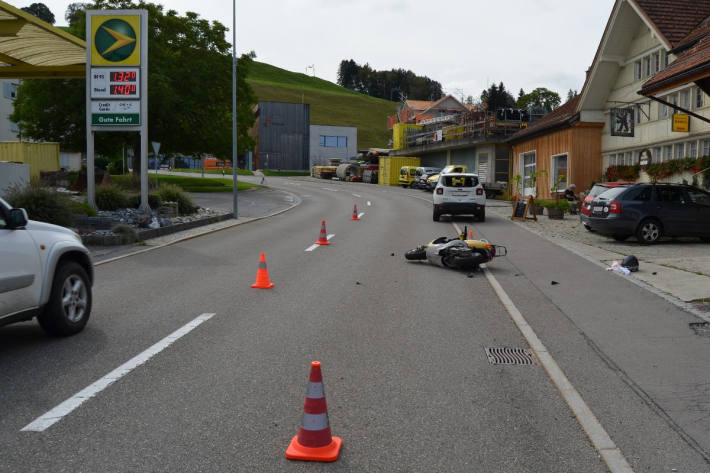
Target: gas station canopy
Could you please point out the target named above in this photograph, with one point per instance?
(31, 48)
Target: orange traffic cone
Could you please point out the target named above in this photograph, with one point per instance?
(322, 238)
(354, 217)
(262, 276)
(470, 234)
(314, 441)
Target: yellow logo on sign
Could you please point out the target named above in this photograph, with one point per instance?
(115, 40)
(681, 122)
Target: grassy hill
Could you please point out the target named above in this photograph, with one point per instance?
(330, 103)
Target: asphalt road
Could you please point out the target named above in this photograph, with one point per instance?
(407, 381)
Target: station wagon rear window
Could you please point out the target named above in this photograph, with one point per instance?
(460, 181)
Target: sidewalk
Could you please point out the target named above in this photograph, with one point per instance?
(678, 269)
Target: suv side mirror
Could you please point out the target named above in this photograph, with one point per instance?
(18, 218)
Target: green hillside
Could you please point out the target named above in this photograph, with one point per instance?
(330, 103)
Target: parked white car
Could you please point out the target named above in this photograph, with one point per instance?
(45, 272)
(459, 194)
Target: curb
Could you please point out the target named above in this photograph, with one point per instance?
(297, 201)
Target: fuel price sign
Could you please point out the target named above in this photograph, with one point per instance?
(117, 83)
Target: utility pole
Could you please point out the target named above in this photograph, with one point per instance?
(235, 161)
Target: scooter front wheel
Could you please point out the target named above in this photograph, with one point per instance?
(416, 254)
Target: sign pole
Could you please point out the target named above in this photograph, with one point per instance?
(235, 160)
(145, 206)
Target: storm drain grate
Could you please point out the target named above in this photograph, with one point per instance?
(700, 328)
(510, 356)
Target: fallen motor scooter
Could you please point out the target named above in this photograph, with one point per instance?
(456, 253)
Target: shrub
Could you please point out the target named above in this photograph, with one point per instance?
(127, 233)
(154, 200)
(561, 204)
(42, 204)
(82, 208)
(110, 197)
(173, 193)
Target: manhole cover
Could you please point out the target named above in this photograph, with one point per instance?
(700, 328)
(510, 356)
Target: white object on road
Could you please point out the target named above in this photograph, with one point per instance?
(616, 267)
(55, 415)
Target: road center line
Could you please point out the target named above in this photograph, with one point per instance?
(600, 439)
(55, 415)
(369, 203)
(360, 214)
(316, 245)
(357, 195)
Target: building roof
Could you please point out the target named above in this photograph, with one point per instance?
(31, 48)
(675, 19)
(419, 104)
(565, 114)
(691, 65)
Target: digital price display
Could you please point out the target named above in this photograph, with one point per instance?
(114, 82)
(123, 76)
(123, 90)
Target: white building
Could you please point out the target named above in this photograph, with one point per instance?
(332, 142)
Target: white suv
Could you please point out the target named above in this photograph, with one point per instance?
(45, 272)
(459, 194)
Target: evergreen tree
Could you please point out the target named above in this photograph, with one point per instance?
(41, 11)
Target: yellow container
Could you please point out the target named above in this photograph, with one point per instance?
(453, 133)
(399, 134)
(38, 156)
(390, 167)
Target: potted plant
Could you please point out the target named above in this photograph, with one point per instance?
(556, 208)
(516, 184)
(533, 183)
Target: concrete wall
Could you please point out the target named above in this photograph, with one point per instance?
(70, 161)
(13, 174)
(319, 155)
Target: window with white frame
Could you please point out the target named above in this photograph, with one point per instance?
(10, 90)
(333, 141)
(637, 114)
(664, 58)
(656, 155)
(692, 149)
(698, 97)
(667, 153)
(612, 160)
(679, 150)
(656, 62)
(559, 166)
(637, 70)
(662, 110)
(706, 148)
(685, 99)
(527, 168)
(629, 158)
(646, 66)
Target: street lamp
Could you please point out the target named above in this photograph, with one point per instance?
(234, 109)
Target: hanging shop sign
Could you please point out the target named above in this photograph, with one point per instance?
(681, 122)
(622, 122)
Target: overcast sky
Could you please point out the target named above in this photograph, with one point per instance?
(463, 44)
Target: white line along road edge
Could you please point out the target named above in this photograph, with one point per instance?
(55, 415)
(316, 245)
(600, 439)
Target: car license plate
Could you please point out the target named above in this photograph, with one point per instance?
(598, 208)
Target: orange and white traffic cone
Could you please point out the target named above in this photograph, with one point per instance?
(314, 441)
(323, 237)
(262, 276)
(354, 217)
(470, 234)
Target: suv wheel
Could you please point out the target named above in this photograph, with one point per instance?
(69, 303)
(436, 215)
(482, 215)
(649, 231)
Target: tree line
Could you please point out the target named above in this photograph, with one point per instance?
(389, 85)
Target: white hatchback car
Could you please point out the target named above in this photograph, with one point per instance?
(459, 194)
(45, 272)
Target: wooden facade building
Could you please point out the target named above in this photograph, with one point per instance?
(556, 149)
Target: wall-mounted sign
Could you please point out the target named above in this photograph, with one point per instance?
(681, 122)
(622, 121)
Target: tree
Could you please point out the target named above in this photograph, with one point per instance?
(389, 85)
(189, 91)
(496, 97)
(540, 98)
(41, 11)
(73, 11)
